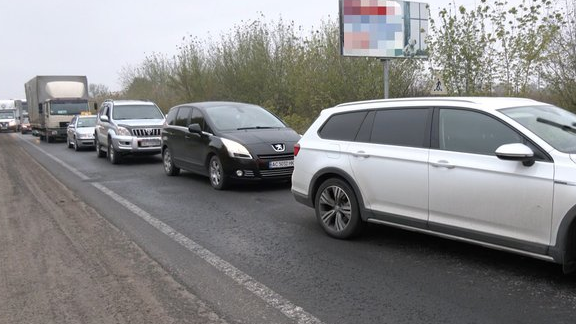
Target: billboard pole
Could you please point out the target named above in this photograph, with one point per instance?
(386, 77)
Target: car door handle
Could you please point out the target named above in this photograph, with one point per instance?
(361, 154)
(443, 164)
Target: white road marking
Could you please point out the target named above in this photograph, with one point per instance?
(272, 298)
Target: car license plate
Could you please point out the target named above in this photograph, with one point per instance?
(281, 164)
(149, 142)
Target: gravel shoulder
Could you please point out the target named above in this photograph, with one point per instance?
(61, 262)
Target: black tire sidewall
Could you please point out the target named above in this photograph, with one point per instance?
(355, 225)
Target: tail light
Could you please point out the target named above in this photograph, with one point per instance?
(296, 149)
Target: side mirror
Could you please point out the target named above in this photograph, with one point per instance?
(40, 108)
(104, 118)
(195, 129)
(516, 152)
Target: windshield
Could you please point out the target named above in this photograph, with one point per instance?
(6, 115)
(554, 125)
(68, 107)
(241, 117)
(86, 122)
(137, 112)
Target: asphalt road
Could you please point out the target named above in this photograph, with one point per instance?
(254, 255)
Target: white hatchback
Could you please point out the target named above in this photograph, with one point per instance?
(499, 172)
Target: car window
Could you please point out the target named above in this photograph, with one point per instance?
(86, 122)
(171, 116)
(404, 127)
(198, 118)
(342, 127)
(183, 117)
(103, 110)
(121, 112)
(554, 125)
(472, 132)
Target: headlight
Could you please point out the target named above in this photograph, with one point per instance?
(122, 131)
(85, 136)
(236, 150)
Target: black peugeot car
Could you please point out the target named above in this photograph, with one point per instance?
(227, 141)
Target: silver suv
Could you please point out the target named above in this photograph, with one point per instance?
(499, 172)
(128, 127)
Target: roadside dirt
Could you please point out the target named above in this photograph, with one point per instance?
(61, 262)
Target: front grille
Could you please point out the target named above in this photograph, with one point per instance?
(273, 173)
(146, 132)
(277, 157)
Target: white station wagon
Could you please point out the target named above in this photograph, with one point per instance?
(499, 172)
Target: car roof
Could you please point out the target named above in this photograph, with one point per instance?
(480, 103)
(131, 102)
(213, 104)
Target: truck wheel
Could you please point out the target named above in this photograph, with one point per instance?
(99, 151)
(113, 155)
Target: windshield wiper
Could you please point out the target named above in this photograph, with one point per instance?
(255, 127)
(563, 127)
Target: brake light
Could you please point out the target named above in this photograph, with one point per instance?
(296, 149)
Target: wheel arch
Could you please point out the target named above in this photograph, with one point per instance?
(329, 173)
(564, 251)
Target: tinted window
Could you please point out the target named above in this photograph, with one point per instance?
(343, 127)
(183, 117)
(472, 132)
(197, 118)
(171, 117)
(405, 127)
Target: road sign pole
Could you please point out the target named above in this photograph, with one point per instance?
(386, 77)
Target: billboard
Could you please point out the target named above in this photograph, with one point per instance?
(383, 28)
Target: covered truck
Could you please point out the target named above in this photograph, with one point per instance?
(53, 100)
(8, 116)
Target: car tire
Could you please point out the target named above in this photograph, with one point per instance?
(113, 155)
(76, 147)
(218, 179)
(99, 151)
(169, 167)
(337, 209)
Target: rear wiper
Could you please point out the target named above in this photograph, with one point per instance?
(563, 127)
(255, 127)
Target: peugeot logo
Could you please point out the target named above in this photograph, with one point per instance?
(149, 131)
(279, 147)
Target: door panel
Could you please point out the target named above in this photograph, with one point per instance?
(392, 179)
(477, 191)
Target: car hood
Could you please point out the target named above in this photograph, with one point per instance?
(263, 136)
(140, 122)
(573, 157)
(85, 130)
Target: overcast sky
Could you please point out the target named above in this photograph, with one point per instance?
(97, 38)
